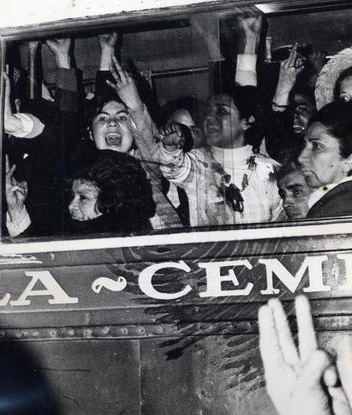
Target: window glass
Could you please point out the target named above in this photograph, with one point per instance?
(195, 122)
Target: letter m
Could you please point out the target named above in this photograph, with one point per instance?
(312, 265)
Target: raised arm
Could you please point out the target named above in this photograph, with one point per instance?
(19, 125)
(246, 72)
(289, 70)
(17, 218)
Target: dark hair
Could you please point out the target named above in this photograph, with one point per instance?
(190, 103)
(301, 88)
(337, 118)
(246, 101)
(343, 75)
(94, 106)
(124, 190)
(288, 168)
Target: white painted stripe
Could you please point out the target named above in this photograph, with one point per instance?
(24, 12)
(178, 238)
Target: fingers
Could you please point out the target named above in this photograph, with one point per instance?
(285, 338)
(108, 39)
(171, 134)
(7, 83)
(9, 173)
(291, 61)
(269, 344)
(111, 84)
(117, 72)
(306, 334)
(340, 403)
(7, 163)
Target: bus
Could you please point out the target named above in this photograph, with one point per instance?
(162, 321)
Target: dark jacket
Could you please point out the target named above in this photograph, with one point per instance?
(46, 162)
(336, 202)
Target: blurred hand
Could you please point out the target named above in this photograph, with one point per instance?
(251, 28)
(171, 136)
(60, 47)
(16, 192)
(252, 25)
(125, 86)
(294, 380)
(108, 40)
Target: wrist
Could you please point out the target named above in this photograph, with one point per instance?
(106, 59)
(136, 106)
(12, 123)
(63, 61)
(17, 212)
(250, 45)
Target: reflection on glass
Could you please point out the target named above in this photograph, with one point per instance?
(210, 112)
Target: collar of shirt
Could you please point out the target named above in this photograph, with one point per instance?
(319, 193)
(230, 156)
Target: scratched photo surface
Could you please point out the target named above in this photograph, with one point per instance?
(168, 168)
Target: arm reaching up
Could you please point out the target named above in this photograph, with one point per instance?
(17, 218)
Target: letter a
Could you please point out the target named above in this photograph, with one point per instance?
(51, 288)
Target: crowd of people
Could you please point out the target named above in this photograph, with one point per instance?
(118, 163)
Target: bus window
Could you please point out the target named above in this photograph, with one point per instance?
(196, 121)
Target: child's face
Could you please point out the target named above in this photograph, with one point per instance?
(111, 128)
(223, 126)
(84, 203)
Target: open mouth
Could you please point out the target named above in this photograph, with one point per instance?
(213, 129)
(113, 139)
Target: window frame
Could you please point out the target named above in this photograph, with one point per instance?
(303, 228)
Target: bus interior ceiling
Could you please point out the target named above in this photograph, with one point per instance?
(175, 46)
(176, 56)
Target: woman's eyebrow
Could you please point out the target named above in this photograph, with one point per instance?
(313, 139)
(117, 112)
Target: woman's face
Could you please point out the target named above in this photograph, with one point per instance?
(346, 89)
(321, 160)
(84, 203)
(111, 128)
(223, 126)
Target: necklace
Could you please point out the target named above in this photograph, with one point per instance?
(227, 189)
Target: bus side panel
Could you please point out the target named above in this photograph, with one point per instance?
(77, 377)
(203, 375)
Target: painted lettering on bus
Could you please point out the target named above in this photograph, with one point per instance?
(222, 279)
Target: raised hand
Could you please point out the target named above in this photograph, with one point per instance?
(107, 43)
(60, 47)
(251, 27)
(108, 40)
(11, 123)
(294, 379)
(16, 192)
(171, 136)
(289, 70)
(125, 87)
